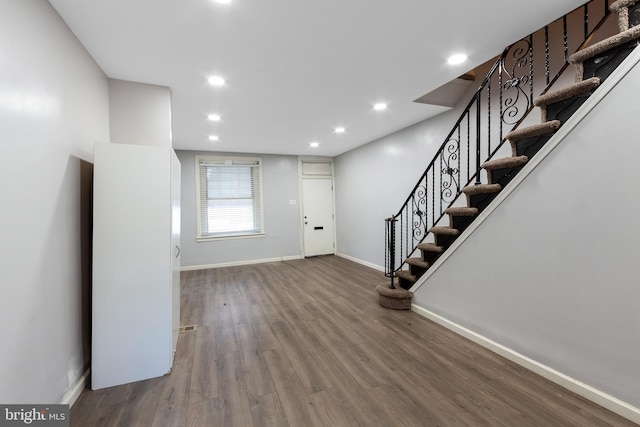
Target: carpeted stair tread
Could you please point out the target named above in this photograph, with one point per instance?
(606, 44)
(396, 299)
(445, 231)
(567, 92)
(616, 6)
(533, 131)
(461, 211)
(471, 190)
(622, 7)
(393, 293)
(418, 262)
(430, 247)
(505, 162)
(406, 275)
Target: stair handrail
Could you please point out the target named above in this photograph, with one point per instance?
(420, 224)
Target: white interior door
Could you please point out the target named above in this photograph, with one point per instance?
(317, 216)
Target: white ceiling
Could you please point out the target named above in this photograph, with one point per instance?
(295, 69)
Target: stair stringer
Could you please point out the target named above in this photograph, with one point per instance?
(587, 349)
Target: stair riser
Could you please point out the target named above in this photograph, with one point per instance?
(564, 109)
(404, 284)
(634, 15)
(417, 271)
(530, 146)
(403, 281)
(503, 176)
(461, 222)
(444, 240)
(481, 201)
(603, 65)
(430, 257)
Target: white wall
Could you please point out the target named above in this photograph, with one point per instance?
(552, 272)
(281, 219)
(53, 107)
(373, 181)
(140, 113)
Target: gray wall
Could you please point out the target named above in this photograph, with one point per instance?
(139, 113)
(373, 181)
(53, 107)
(281, 219)
(553, 273)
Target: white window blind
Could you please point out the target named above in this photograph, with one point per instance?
(229, 197)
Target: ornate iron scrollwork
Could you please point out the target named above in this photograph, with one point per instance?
(450, 185)
(515, 99)
(419, 214)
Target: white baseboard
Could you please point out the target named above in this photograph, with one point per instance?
(73, 394)
(359, 261)
(588, 392)
(236, 263)
(262, 261)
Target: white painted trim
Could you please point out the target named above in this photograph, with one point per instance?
(359, 261)
(588, 392)
(72, 395)
(602, 91)
(222, 160)
(236, 263)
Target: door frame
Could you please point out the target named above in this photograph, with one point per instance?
(302, 176)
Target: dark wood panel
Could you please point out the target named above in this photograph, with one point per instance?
(305, 343)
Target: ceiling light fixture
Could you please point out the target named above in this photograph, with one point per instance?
(314, 144)
(214, 117)
(339, 130)
(457, 59)
(223, 1)
(214, 138)
(380, 106)
(216, 81)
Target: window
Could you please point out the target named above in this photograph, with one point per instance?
(229, 197)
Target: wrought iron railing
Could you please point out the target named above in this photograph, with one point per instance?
(502, 102)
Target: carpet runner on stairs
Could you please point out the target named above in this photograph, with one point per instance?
(593, 65)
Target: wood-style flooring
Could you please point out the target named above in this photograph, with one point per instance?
(305, 343)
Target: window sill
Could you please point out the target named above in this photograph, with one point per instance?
(240, 236)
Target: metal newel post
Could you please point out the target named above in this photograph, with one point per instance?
(478, 138)
(392, 249)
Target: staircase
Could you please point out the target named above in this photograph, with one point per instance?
(422, 237)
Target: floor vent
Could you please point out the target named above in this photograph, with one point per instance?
(187, 328)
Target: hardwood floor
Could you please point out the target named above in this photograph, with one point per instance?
(305, 343)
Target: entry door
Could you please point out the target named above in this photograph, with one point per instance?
(317, 216)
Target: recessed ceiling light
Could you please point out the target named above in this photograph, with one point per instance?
(214, 117)
(216, 81)
(223, 1)
(380, 106)
(214, 138)
(314, 144)
(339, 130)
(456, 59)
